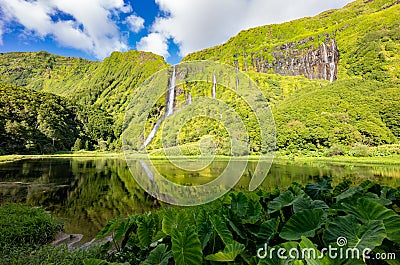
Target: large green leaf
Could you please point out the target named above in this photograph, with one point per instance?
(319, 190)
(145, 231)
(235, 223)
(348, 193)
(229, 253)
(303, 223)
(305, 203)
(221, 229)
(286, 198)
(158, 256)
(267, 231)
(392, 226)
(186, 247)
(108, 228)
(204, 228)
(239, 203)
(367, 235)
(173, 219)
(253, 212)
(367, 210)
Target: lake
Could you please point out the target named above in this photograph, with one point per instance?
(88, 192)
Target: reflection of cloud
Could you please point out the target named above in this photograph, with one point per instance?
(89, 25)
(197, 24)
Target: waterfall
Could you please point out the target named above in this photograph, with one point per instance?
(332, 64)
(326, 61)
(169, 111)
(189, 99)
(237, 82)
(152, 133)
(214, 88)
(171, 95)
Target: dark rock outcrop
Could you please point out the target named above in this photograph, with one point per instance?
(300, 58)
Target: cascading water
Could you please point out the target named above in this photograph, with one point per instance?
(189, 99)
(214, 88)
(332, 64)
(326, 61)
(171, 95)
(169, 111)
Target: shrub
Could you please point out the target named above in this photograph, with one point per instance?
(359, 151)
(23, 226)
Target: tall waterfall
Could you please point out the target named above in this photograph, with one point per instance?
(189, 99)
(152, 133)
(214, 88)
(169, 111)
(171, 95)
(326, 61)
(332, 64)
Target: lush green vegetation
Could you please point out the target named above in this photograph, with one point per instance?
(366, 32)
(25, 233)
(22, 226)
(106, 85)
(312, 116)
(233, 228)
(38, 122)
(358, 112)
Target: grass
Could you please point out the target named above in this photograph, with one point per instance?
(25, 233)
(23, 226)
(12, 158)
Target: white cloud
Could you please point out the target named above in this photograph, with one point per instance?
(135, 23)
(92, 28)
(154, 42)
(198, 24)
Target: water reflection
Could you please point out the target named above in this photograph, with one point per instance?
(90, 192)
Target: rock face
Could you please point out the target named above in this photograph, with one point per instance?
(300, 58)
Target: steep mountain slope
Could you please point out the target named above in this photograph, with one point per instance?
(38, 122)
(106, 85)
(365, 32)
(356, 47)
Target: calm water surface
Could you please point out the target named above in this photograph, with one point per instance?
(87, 193)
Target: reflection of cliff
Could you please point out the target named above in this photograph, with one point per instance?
(298, 58)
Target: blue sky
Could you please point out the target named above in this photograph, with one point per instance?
(92, 29)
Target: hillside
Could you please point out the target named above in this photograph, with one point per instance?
(356, 47)
(333, 82)
(366, 36)
(106, 85)
(38, 122)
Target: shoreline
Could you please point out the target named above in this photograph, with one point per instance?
(372, 160)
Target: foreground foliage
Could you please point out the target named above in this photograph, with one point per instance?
(233, 228)
(25, 233)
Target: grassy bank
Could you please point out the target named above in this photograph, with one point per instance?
(280, 158)
(25, 234)
(88, 154)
